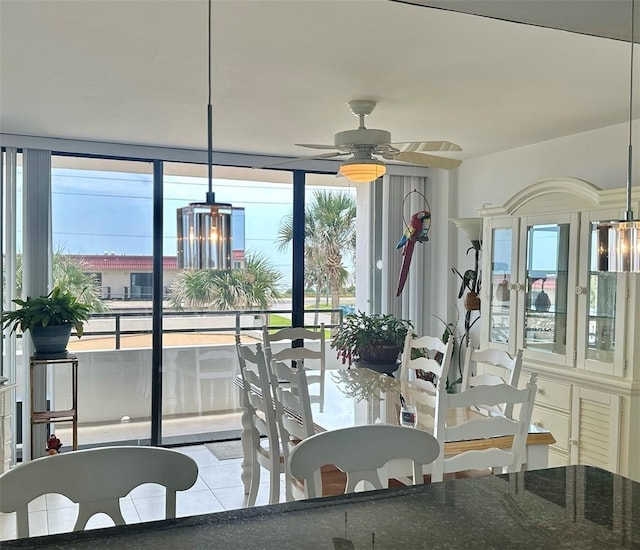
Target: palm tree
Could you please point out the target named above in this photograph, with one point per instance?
(257, 286)
(330, 236)
(70, 274)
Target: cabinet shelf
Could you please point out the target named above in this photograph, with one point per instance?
(543, 314)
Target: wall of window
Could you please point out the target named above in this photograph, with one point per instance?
(102, 241)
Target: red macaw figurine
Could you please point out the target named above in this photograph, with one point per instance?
(415, 232)
(53, 445)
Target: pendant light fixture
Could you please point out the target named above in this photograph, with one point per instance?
(619, 240)
(204, 229)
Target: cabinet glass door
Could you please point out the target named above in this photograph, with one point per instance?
(546, 280)
(601, 320)
(601, 343)
(500, 291)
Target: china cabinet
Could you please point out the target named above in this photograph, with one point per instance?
(544, 294)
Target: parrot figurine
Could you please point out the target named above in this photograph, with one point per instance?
(415, 232)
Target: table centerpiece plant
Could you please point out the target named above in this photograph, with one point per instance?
(371, 339)
(49, 319)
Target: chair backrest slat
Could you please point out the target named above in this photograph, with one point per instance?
(487, 395)
(277, 346)
(483, 428)
(498, 458)
(289, 335)
(489, 429)
(431, 346)
(360, 451)
(96, 479)
(506, 371)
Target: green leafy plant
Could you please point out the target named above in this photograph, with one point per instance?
(361, 332)
(59, 307)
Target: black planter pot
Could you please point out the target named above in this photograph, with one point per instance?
(52, 339)
(379, 357)
(379, 353)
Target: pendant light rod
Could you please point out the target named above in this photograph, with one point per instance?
(629, 212)
(210, 194)
(204, 239)
(619, 240)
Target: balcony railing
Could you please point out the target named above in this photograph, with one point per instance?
(120, 324)
(206, 321)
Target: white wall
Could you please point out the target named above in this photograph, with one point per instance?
(599, 157)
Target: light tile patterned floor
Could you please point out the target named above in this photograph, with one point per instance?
(218, 488)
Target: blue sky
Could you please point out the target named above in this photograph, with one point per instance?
(96, 212)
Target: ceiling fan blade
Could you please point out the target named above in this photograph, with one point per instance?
(417, 146)
(315, 146)
(428, 160)
(298, 159)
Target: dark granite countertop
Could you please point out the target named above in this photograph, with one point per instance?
(572, 507)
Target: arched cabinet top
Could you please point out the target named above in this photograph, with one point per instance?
(558, 194)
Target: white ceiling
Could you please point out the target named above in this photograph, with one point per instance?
(135, 71)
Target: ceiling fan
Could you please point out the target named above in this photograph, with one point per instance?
(363, 143)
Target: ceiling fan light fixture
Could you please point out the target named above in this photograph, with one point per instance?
(362, 170)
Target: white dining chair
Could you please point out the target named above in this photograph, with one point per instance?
(360, 451)
(432, 356)
(259, 413)
(278, 346)
(502, 369)
(95, 479)
(293, 411)
(486, 430)
(213, 366)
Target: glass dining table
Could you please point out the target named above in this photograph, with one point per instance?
(357, 396)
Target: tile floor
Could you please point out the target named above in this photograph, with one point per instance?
(218, 488)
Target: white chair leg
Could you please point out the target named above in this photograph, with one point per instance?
(274, 479)
(254, 485)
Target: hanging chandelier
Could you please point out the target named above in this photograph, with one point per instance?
(204, 229)
(619, 240)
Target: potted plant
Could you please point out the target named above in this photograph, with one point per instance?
(372, 340)
(49, 319)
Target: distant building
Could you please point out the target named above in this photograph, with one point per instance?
(124, 277)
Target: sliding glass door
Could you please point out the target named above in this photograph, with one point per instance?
(206, 312)
(102, 252)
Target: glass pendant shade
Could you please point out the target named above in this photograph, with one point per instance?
(619, 246)
(204, 236)
(362, 170)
